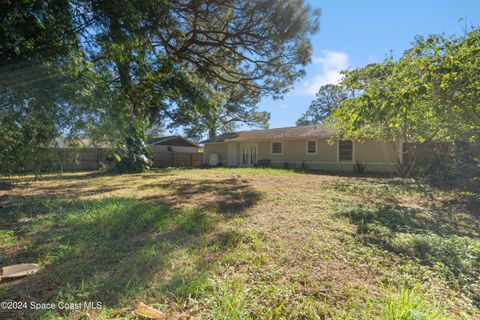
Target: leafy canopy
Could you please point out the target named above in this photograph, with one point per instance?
(430, 94)
(327, 100)
(113, 69)
(221, 109)
(38, 48)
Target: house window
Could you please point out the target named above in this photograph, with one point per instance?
(311, 146)
(345, 151)
(277, 148)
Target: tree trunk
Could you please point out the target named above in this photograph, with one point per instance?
(407, 161)
(123, 65)
(135, 151)
(212, 133)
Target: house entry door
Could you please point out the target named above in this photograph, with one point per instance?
(249, 154)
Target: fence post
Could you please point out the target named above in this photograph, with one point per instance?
(98, 159)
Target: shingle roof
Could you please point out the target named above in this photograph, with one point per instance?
(274, 134)
(171, 140)
(159, 139)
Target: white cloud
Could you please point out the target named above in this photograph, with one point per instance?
(330, 64)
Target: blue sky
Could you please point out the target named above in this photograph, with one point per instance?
(354, 33)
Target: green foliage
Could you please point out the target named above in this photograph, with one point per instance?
(220, 109)
(359, 167)
(382, 107)
(38, 58)
(133, 154)
(229, 302)
(459, 167)
(430, 94)
(177, 64)
(7, 239)
(410, 304)
(451, 67)
(327, 100)
(396, 229)
(87, 68)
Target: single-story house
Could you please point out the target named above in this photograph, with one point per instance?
(173, 144)
(296, 147)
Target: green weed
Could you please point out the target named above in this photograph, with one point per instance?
(410, 304)
(228, 300)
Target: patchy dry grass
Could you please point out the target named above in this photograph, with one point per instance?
(242, 244)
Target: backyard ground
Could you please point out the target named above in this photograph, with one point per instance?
(241, 243)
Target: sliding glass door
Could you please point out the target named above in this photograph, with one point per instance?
(249, 154)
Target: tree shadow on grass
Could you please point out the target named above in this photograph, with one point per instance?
(226, 196)
(426, 237)
(118, 249)
(84, 175)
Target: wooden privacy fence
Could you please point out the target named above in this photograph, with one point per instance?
(177, 159)
(71, 159)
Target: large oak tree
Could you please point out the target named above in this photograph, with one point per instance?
(139, 61)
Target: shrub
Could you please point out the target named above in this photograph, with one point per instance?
(359, 167)
(134, 155)
(303, 166)
(459, 168)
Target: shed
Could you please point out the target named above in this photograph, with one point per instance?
(173, 144)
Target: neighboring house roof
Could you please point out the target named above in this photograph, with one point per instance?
(172, 141)
(275, 134)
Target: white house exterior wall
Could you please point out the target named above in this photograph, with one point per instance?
(378, 156)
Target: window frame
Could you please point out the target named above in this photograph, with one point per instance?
(306, 146)
(271, 148)
(353, 152)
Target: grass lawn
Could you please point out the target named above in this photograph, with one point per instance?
(241, 244)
